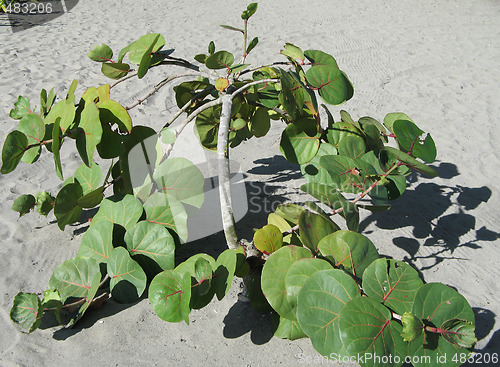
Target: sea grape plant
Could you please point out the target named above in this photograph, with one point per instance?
(319, 280)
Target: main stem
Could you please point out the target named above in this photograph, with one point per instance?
(226, 205)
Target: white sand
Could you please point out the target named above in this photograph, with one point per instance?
(436, 61)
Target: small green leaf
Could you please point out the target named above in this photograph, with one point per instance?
(66, 208)
(56, 147)
(203, 274)
(224, 272)
(390, 118)
(268, 239)
(128, 280)
(201, 58)
(70, 96)
(90, 134)
(251, 9)
(27, 311)
(411, 162)
(293, 52)
(21, 108)
(211, 47)
(409, 138)
(23, 204)
(44, 202)
(412, 326)
(13, 149)
(231, 28)
(89, 178)
(252, 44)
(146, 58)
(101, 53)
(115, 70)
(460, 333)
(169, 294)
(220, 60)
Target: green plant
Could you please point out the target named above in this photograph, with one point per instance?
(320, 281)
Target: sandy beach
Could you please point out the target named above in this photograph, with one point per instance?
(439, 62)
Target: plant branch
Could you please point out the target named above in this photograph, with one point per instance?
(246, 86)
(197, 96)
(158, 87)
(129, 76)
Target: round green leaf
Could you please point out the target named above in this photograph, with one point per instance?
(33, 127)
(313, 227)
(393, 283)
(25, 311)
(151, 42)
(23, 204)
(151, 240)
(351, 174)
(63, 110)
(352, 146)
(313, 171)
(76, 278)
(97, 241)
(207, 127)
(44, 202)
(436, 304)
(114, 113)
(89, 178)
(203, 273)
(299, 273)
(274, 275)
(12, 152)
(330, 83)
(181, 180)
(172, 215)
(220, 60)
(128, 280)
(66, 208)
(367, 328)
(268, 239)
(320, 301)
(320, 58)
(122, 210)
(300, 141)
(260, 123)
(169, 293)
(101, 53)
(410, 139)
(351, 250)
(115, 70)
(390, 118)
(21, 108)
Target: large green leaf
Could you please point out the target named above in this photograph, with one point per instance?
(390, 118)
(181, 180)
(352, 146)
(25, 311)
(147, 44)
(300, 141)
(147, 58)
(89, 178)
(114, 113)
(351, 250)
(340, 130)
(268, 239)
(351, 174)
(320, 301)
(300, 271)
(21, 108)
(291, 212)
(151, 240)
(122, 210)
(91, 132)
(127, 279)
(274, 275)
(169, 293)
(367, 328)
(320, 58)
(13, 149)
(220, 60)
(313, 171)
(33, 127)
(207, 127)
(328, 195)
(260, 123)
(75, 278)
(393, 283)
(172, 215)
(314, 227)
(66, 208)
(292, 94)
(409, 138)
(330, 83)
(97, 241)
(436, 304)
